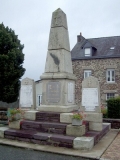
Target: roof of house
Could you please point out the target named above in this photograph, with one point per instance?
(38, 81)
(105, 47)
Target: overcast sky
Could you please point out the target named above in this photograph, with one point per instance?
(31, 20)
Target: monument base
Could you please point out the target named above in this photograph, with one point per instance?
(55, 108)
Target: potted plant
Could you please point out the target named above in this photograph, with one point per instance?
(14, 114)
(77, 118)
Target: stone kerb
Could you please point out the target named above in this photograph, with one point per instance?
(27, 94)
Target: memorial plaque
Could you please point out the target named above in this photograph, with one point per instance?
(70, 92)
(26, 96)
(53, 91)
(90, 98)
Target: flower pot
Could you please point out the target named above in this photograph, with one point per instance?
(77, 122)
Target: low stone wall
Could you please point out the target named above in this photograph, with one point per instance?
(9, 105)
(115, 123)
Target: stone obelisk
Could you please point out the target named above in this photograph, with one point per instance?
(58, 80)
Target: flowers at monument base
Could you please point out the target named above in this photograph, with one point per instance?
(78, 115)
(77, 118)
(14, 114)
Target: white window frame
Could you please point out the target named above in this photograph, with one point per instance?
(110, 95)
(88, 72)
(87, 52)
(109, 76)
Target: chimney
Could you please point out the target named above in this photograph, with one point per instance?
(80, 37)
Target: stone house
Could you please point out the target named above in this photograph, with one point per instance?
(99, 57)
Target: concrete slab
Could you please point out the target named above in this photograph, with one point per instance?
(96, 152)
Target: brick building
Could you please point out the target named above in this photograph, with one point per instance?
(99, 57)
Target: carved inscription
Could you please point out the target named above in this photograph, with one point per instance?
(53, 91)
(26, 96)
(90, 98)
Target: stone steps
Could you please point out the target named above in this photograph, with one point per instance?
(60, 140)
(41, 126)
(49, 127)
(46, 128)
(48, 116)
(40, 138)
(98, 134)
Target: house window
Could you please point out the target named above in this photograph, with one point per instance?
(110, 95)
(87, 52)
(87, 73)
(112, 48)
(110, 75)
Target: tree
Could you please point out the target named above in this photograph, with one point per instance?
(11, 60)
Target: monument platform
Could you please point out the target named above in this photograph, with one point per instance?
(97, 152)
(46, 129)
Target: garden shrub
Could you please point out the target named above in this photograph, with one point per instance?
(113, 106)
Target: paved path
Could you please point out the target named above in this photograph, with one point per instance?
(113, 151)
(14, 153)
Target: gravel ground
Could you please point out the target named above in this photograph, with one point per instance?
(13, 153)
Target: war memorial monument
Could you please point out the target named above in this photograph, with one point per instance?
(51, 124)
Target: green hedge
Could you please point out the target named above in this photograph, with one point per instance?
(113, 106)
